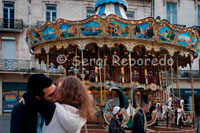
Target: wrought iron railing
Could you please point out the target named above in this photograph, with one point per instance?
(11, 23)
(183, 74)
(16, 65)
(40, 23)
(197, 28)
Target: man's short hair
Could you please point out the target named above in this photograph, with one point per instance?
(145, 105)
(36, 84)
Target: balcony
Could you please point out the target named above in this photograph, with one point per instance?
(197, 28)
(11, 25)
(183, 74)
(27, 66)
(180, 25)
(40, 23)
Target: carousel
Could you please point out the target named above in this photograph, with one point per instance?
(122, 62)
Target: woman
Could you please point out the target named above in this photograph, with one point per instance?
(73, 107)
(71, 111)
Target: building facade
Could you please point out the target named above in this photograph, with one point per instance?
(16, 16)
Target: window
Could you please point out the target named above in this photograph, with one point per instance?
(172, 13)
(199, 15)
(50, 12)
(8, 14)
(90, 11)
(130, 15)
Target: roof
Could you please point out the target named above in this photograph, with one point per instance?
(101, 2)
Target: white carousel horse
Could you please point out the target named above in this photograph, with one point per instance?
(180, 112)
(158, 111)
(166, 108)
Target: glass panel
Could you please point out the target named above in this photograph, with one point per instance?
(12, 11)
(11, 16)
(172, 13)
(90, 11)
(53, 15)
(51, 7)
(8, 4)
(5, 10)
(47, 16)
(130, 15)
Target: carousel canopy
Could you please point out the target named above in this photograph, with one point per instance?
(154, 36)
(108, 7)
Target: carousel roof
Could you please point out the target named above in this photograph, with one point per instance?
(153, 35)
(101, 2)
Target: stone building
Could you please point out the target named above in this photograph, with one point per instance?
(17, 64)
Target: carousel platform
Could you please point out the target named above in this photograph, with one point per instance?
(93, 128)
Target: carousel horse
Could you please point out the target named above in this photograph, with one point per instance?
(158, 111)
(166, 108)
(180, 112)
(155, 115)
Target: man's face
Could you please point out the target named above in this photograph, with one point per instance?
(146, 109)
(50, 94)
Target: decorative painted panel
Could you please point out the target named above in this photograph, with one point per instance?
(166, 34)
(48, 34)
(194, 41)
(184, 38)
(117, 29)
(91, 29)
(67, 30)
(36, 37)
(144, 31)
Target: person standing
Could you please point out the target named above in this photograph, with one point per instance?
(139, 120)
(25, 117)
(115, 126)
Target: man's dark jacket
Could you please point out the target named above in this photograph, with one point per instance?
(138, 122)
(23, 119)
(114, 126)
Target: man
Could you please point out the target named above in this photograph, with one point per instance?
(25, 117)
(115, 126)
(139, 121)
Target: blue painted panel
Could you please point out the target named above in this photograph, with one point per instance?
(48, 34)
(184, 38)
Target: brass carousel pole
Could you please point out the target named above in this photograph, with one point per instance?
(76, 62)
(48, 64)
(104, 77)
(131, 81)
(82, 65)
(172, 82)
(178, 82)
(146, 76)
(101, 87)
(192, 87)
(166, 82)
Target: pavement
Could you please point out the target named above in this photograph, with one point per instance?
(5, 123)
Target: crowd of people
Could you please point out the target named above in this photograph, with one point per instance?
(62, 108)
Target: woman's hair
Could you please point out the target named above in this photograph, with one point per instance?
(73, 92)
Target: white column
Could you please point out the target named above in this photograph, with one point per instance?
(190, 103)
(1, 109)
